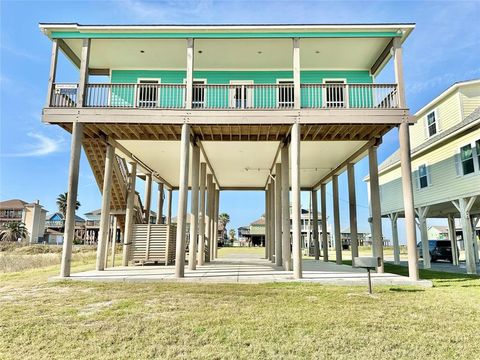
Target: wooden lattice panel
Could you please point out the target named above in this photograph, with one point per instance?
(149, 243)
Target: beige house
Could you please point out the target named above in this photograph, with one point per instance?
(445, 145)
(31, 214)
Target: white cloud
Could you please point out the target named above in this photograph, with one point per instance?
(41, 145)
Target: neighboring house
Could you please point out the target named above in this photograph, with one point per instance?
(31, 214)
(55, 224)
(445, 151)
(255, 232)
(364, 237)
(438, 232)
(92, 225)
(221, 236)
(239, 99)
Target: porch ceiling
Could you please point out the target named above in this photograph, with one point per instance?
(244, 164)
(241, 54)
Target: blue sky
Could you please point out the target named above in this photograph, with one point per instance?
(444, 48)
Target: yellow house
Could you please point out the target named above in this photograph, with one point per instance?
(445, 143)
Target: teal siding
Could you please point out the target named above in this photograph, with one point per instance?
(219, 97)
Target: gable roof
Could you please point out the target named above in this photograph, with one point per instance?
(59, 216)
(14, 204)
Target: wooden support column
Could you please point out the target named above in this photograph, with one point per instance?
(323, 194)
(189, 77)
(286, 250)
(452, 234)
(208, 216)
(168, 221)
(464, 205)
(396, 246)
(422, 225)
(215, 223)
(398, 66)
(201, 215)
(129, 213)
(192, 249)
(352, 201)
(53, 72)
(82, 83)
(316, 240)
(408, 202)
(105, 211)
(336, 221)
(114, 238)
(160, 203)
(278, 215)
(377, 240)
(148, 198)
(73, 171)
(296, 74)
(182, 202)
(267, 235)
(296, 209)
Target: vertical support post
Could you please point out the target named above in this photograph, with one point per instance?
(192, 249)
(286, 250)
(168, 221)
(396, 246)
(422, 224)
(398, 66)
(352, 197)
(316, 240)
(408, 203)
(160, 204)
(201, 215)
(75, 150)
(464, 206)
(278, 215)
(114, 238)
(336, 221)
(452, 234)
(267, 235)
(53, 72)
(377, 240)
(105, 211)
(296, 210)
(148, 198)
(127, 236)
(215, 223)
(271, 219)
(323, 194)
(189, 77)
(182, 202)
(208, 216)
(82, 83)
(296, 74)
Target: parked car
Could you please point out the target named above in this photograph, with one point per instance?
(439, 250)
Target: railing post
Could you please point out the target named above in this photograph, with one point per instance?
(296, 73)
(189, 79)
(53, 72)
(82, 84)
(347, 96)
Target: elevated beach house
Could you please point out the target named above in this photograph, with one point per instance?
(207, 108)
(445, 155)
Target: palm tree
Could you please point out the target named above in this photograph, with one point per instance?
(12, 231)
(224, 219)
(62, 204)
(232, 235)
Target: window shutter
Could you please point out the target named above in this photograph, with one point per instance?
(458, 164)
(416, 179)
(439, 123)
(429, 177)
(425, 127)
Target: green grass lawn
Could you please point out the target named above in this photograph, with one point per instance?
(70, 320)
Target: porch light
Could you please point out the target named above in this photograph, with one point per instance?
(142, 51)
(200, 51)
(259, 52)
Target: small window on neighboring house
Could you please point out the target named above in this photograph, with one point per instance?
(431, 124)
(422, 176)
(466, 158)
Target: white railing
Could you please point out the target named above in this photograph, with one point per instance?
(229, 96)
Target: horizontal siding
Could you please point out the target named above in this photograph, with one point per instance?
(445, 184)
(470, 98)
(448, 114)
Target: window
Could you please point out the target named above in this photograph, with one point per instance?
(241, 94)
(147, 93)
(477, 148)
(431, 124)
(335, 93)
(198, 96)
(466, 159)
(422, 176)
(285, 93)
